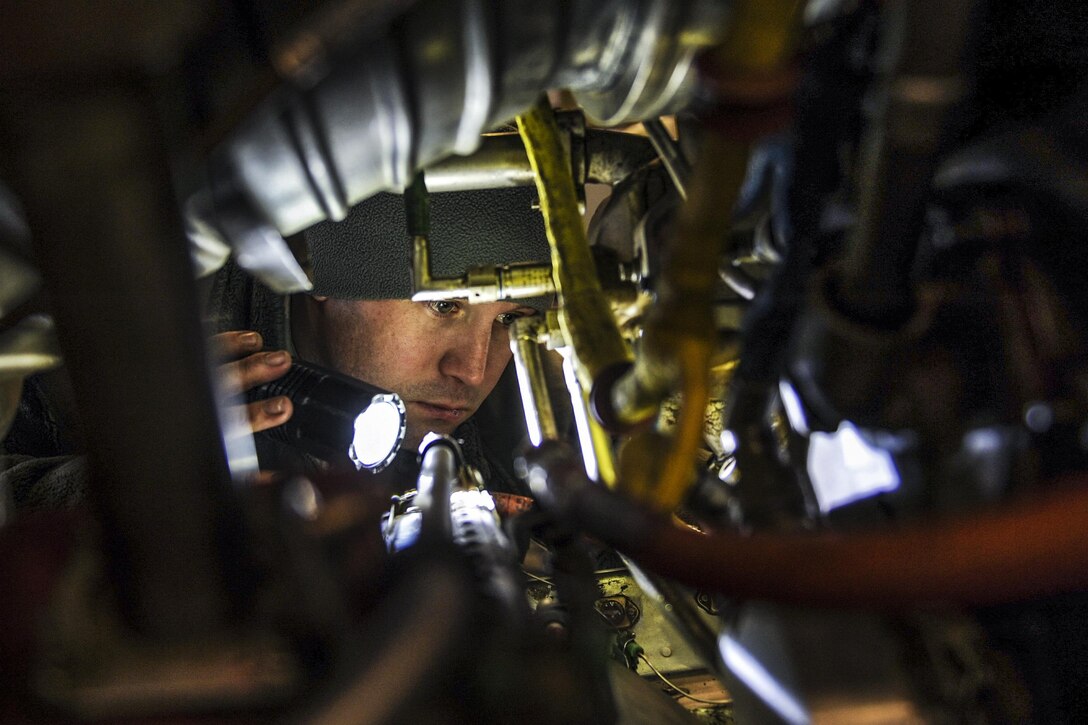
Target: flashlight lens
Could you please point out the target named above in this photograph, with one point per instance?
(378, 432)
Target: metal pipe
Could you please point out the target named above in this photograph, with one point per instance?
(671, 156)
(739, 282)
(596, 445)
(499, 162)
(598, 156)
(478, 284)
(525, 336)
(682, 313)
(679, 338)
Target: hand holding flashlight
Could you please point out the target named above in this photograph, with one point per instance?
(245, 366)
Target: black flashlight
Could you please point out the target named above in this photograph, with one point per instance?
(337, 418)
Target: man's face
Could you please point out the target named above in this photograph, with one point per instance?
(442, 358)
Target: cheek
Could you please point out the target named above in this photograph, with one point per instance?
(498, 354)
(353, 351)
(389, 355)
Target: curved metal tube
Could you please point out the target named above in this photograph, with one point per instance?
(309, 153)
(671, 155)
(598, 453)
(477, 284)
(739, 282)
(598, 156)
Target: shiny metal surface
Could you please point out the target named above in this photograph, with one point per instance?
(439, 477)
(309, 153)
(478, 284)
(525, 340)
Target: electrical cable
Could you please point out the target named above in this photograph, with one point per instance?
(540, 579)
(681, 691)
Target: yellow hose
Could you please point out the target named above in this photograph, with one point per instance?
(679, 338)
(654, 468)
(584, 313)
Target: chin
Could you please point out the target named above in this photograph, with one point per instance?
(415, 435)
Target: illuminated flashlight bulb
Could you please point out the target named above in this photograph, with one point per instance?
(378, 432)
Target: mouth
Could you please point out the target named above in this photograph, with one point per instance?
(440, 411)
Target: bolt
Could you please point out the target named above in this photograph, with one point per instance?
(612, 611)
(666, 651)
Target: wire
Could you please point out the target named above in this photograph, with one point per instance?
(538, 578)
(676, 165)
(682, 692)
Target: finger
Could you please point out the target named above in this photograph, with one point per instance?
(233, 345)
(256, 369)
(265, 414)
(264, 478)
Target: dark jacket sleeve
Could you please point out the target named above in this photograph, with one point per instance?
(40, 465)
(56, 482)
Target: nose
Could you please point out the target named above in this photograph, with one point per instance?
(466, 358)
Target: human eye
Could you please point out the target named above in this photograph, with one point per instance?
(507, 318)
(444, 308)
